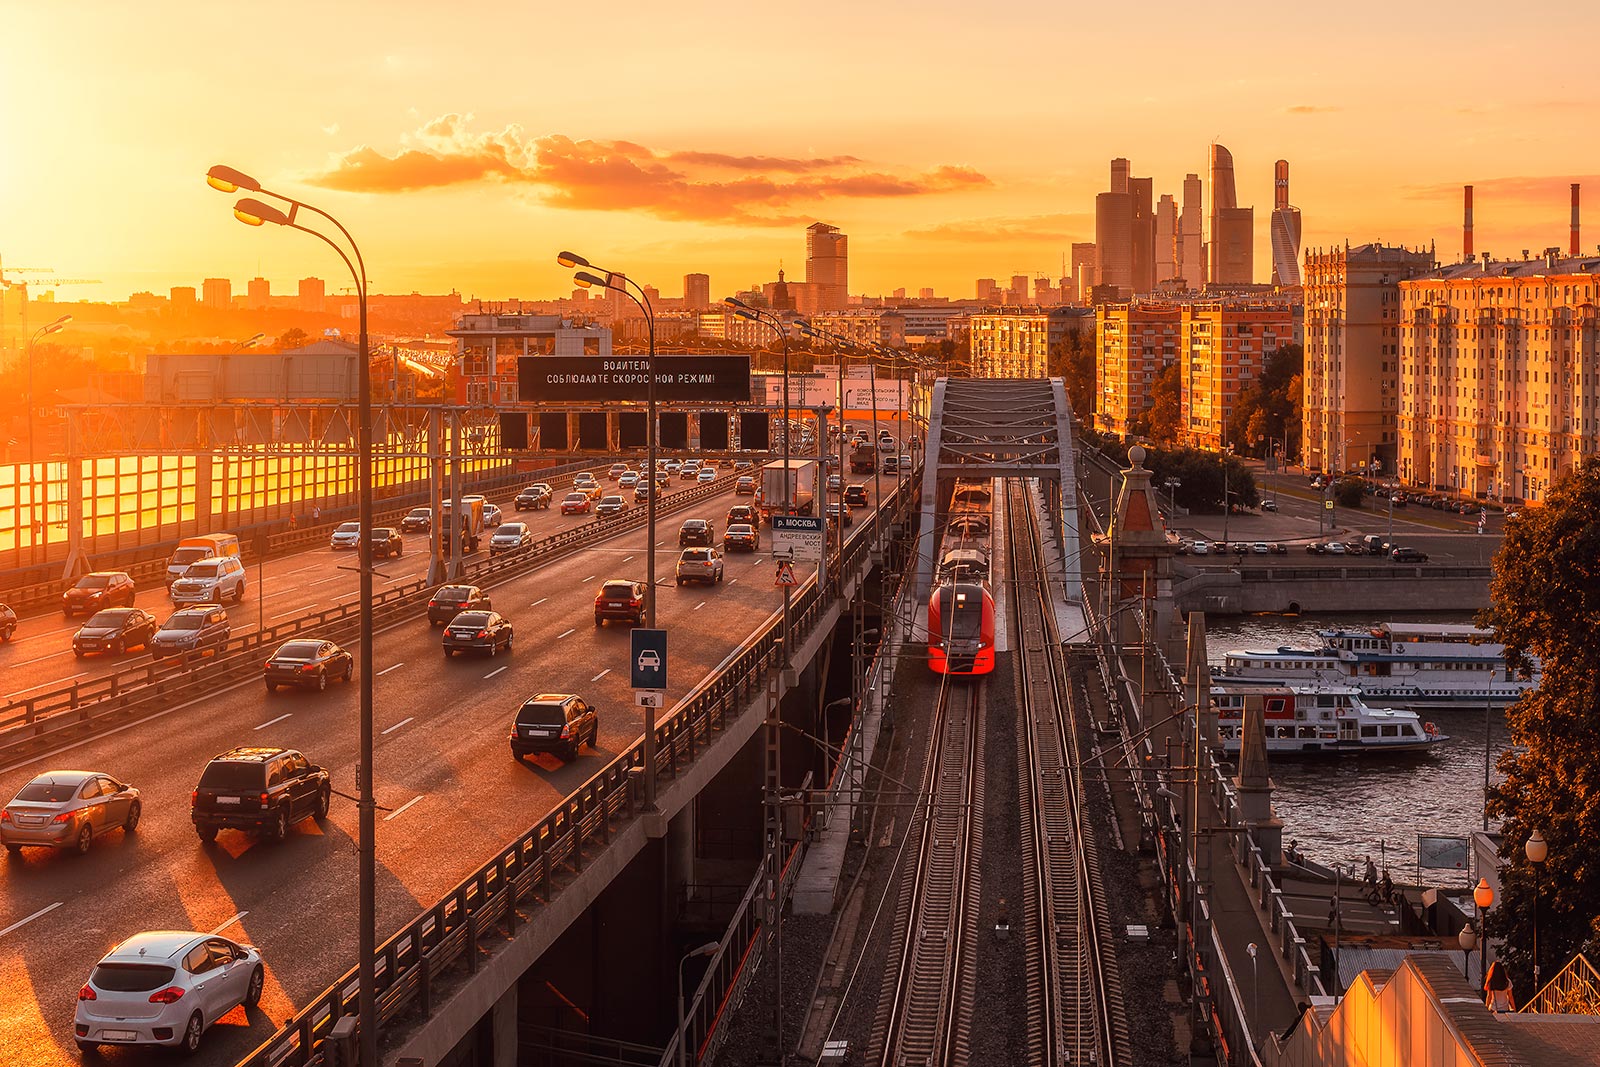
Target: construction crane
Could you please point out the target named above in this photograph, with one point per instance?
(21, 286)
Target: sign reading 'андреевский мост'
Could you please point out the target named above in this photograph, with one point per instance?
(679, 379)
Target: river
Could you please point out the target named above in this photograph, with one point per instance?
(1344, 808)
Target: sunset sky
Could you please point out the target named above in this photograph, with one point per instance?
(465, 144)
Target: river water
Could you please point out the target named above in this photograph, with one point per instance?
(1344, 808)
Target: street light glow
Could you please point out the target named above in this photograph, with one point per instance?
(56, 325)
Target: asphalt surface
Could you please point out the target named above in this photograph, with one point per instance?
(452, 794)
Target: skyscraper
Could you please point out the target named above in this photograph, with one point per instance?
(827, 266)
(313, 294)
(1285, 229)
(1191, 258)
(1120, 169)
(217, 293)
(259, 293)
(1232, 227)
(696, 292)
(1083, 260)
(1166, 239)
(1143, 234)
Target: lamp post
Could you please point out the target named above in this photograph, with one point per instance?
(610, 280)
(1536, 849)
(35, 482)
(1255, 990)
(1483, 899)
(1468, 940)
(1172, 485)
(248, 342)
(837, 343)
(253, 212)
(707, 949)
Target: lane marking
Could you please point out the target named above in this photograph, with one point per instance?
(589, 579)
(386, 670)
(296, 611)
(568, 633)
(397, 725)
(24, 922)
(269, 722)
(41, 659)
(626, 558)
(660, 543)
(536, 603)
(301, 570)
(733, 581)
(700, 605)
(494, 672)
(229, 923)
(397, 812)
(601, 675)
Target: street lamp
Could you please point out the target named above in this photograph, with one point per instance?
(707, 949)
(1172, 485)
(1468, 940)
(253, 212)
(1255, 988)
(248, 342)
(34, 481)
(1483, 898)
(1536, 849)
(609, 280)
(837, 343)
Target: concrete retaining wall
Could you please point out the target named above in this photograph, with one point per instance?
(1293, 590)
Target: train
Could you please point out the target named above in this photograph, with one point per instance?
(961, 606)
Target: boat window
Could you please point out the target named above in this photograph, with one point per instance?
(1308, 731)
(1391, 731)
(1369, 731)
(1410, 730)
(1275, 704)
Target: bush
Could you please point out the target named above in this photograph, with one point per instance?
(1347, 493)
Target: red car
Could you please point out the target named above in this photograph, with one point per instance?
(102, 589)
(620, 598)
(576, 504)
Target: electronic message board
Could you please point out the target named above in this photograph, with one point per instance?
(589, 379)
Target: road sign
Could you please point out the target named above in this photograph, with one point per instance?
(785, 574)
(1442, 853)
(798, 535)
(1327, 505)
(648, 661)
(649, 698)
(587, 379)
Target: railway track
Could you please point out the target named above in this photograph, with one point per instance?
(1074, 997)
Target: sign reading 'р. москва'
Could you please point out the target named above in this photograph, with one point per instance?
(679, 379)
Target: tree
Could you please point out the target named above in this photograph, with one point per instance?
(1347, 493)
(1165, 417)
(1072, 359)
(1269, 408)
(1545, 603)
(293, 338)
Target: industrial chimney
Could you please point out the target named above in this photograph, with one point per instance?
(1572, 245)
(1466, 225)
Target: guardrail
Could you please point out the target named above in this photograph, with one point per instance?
(1376, 569)
(524, 873)
(44, 719)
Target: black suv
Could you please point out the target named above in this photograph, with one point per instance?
(696, 532)
(536, 496)
(386, 542)
(451, 600)
(1407, 554)
(261, 790)
(554, 722)
(192, 630)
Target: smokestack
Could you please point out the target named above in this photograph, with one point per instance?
(1466, 225)
(1572, 245)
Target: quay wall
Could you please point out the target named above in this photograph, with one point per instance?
(1292, 590)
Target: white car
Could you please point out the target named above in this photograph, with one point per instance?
(707, 474)
(1269, 505)
(1201, 548)
(1261, 548)
(211, 581)
(165, 988)
(1335, 548)
(346, 535)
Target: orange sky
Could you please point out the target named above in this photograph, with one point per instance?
(464, 145)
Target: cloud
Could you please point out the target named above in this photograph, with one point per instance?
(1060, 227)
(1311, 109)
(608, 175)
(1533, 189)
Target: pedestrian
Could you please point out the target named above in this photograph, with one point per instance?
(1497, 989)
(294, 522)
(316, 517)
(1386, 889)
(1371, 877)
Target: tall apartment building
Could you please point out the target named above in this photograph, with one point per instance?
(1113, 241)
(258, 293)
(488, 345)
(1352, 344)
(313, 294)
(1133, 341)
(988, 291)
(878, 325)
(1285, 230)
(828, 265)
(1232, 247)
(696, 292)
(1499, 375)
(1224, 345)
(1191, 244)
(216, 293)
(182, 298)
(1017, 344)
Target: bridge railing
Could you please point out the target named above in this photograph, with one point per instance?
(524, 873)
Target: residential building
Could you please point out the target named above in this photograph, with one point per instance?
(313, 294)
(1017, 344)
(489, 345)
(1223, 346)
(931, 323)
(696, 292)
(258, 294)
(1191, 248)
(988, 291)
(1499, 384)
(217, 293)
(1285, 230)
(182, 299)
(1352, 361)
(828, 265)
(885, 326)
(1232, 248)
(1133, 342)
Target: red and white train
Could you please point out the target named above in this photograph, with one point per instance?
(961, 607)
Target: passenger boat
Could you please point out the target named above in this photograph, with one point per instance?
(1313, 720)
(1426, 666)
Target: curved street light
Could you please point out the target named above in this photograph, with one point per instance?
(35, 481)
(254, 212)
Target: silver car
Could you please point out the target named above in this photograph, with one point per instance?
(346, 535)
(68, 809)
(164, 988)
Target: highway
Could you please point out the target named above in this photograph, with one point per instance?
(452, 793)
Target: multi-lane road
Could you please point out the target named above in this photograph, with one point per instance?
(450, 790)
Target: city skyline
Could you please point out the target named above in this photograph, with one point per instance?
(459, 174)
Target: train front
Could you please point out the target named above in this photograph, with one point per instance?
(961, 628)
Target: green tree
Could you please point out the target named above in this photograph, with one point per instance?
(1072, 359)
(1347, 493)
(1164, 419)
(1545, 603)
(1269, 408)
(293, 338)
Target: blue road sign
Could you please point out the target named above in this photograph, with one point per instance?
(648, 663)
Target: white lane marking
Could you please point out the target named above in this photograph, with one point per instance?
(733, 581)
(24, 922)
(397, 725)
(41, 659)
(270, 722)
(589, 579)
(301, 570)
(494, 672)
(756, 562)
(601, 675)
(397, 812)
(536, 603)
(296, 611)
(626, 558)
(229, 923)
(660, 543)
(568, 633)
(386, 670)
(281, 592)
(700, 605)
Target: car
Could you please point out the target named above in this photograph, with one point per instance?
(641, 493)
(629, 480)
(743, 513)
(696, 532)
(510, 539)
(260, 790)
(477, 631)
(592, 490)
(68, 810)
(610, 506)
(1200, 548)
(743, 465)
(308, 663)
(891, 465)
(1317, 482)
(386, 542)
(835, 483)
(700, 565)
(885, 443)
(193, 629)
(1316, 548)
(672, 466)
(689, 474)
(554, 722)
(114, 630)
(745, 486)
(617, 470)
(492, 515)
(8, 622)
(583, 478)
(1399, 500)
(1261, 548)
(1406, 554)
(345, 535)
(1336, 548)
(417, 520)
(211, 581)
(742, 536)
(1269, 505)
(620, 598)
(165, 987)
(448, 601)
(533, 497)
(1239, 548)
(1279, 548)
(577, 502)
(705, 475)
(102, 589)
(856, 495)
(840, 513)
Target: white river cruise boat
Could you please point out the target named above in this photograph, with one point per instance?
(1415, 665)
(1306, 720)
